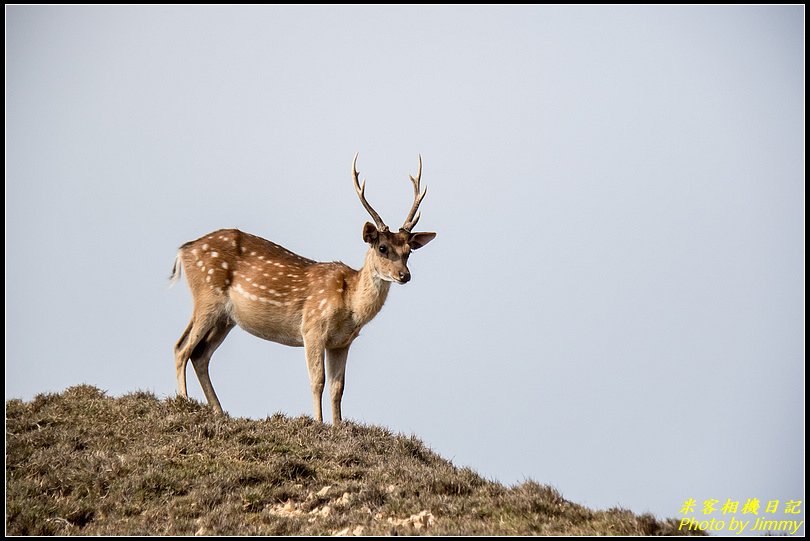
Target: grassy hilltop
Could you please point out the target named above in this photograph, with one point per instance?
(80, 462)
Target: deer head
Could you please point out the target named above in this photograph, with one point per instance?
(389, 251)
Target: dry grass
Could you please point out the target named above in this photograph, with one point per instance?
(80, 462)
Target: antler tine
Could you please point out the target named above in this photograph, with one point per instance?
(360, 188)
(413, 216)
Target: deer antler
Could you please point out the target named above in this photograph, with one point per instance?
(360, 188)
(413, 217)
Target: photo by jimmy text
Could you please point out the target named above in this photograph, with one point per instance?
(754, 517)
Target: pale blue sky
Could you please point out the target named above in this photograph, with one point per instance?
(614, 304)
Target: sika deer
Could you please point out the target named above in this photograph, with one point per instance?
(241, 279)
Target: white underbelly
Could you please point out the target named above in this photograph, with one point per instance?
(274, 323)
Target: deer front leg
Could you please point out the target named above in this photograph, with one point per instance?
(336, 367)
(314, 352)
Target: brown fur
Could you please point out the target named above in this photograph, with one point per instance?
(241, 279)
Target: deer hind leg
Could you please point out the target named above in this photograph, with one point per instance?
(181, 359)
(201, 324)
(336, 370)
(201, 357)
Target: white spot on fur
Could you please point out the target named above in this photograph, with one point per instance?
(207, 278)
(199, 263)
(210, 271)
(252, 253)
(205, 246)
(224, 265)
(214, 254)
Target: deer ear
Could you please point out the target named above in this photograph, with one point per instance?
(370, 233)
(418, 240)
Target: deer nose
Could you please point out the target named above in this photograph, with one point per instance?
(404, 276)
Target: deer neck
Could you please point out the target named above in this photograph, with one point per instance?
(369, 292)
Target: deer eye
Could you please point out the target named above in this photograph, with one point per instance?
(383, 249)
